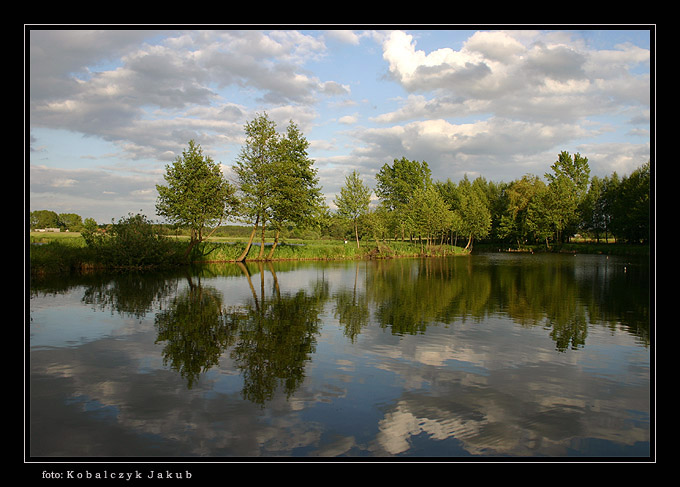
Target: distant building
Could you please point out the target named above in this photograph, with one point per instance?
(47, 230)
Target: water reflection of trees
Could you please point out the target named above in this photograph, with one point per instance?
(352, 308)
(276, 336)
(408, 296)
(195, 331)
(271, 335)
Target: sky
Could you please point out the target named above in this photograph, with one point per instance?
(107, 110)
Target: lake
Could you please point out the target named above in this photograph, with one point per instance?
(485, 356)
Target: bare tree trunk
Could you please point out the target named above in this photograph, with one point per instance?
(192, 244)
(469, 244)
(261, 254)
(197, 237)
(243, 256)
(276, 242)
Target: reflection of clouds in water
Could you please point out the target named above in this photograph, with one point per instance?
(155, 407)
(494, 388)
(521, 411)
(478, 385)
(401, 424)
(152, 404)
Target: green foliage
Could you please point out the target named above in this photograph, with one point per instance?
(91, 232)
(60, 255)
(44, 219)
(629, 203)
(395, 184)
(568, 186)
(132, 242)
(296, 196)
(474, 210)
(515, 220)
(196, 195)
(254, 169)
(354, 200)
(428, 215)
(70, 221)
(277, 183)
(49, 219)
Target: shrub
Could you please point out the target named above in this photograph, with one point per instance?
(132, 242)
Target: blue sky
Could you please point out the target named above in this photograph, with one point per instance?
(110, 108)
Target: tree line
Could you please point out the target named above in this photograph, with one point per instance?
(526, 211)
(275, 188)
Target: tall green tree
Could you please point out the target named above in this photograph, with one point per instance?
(540, 216)
(593, 219)
(429, 213)
(296, 197)
(514, 222)
(631, 206)
(608, 202)
(196, 194)
(254, 168)
(396, 184)
(450, 193)
(354, 201)
(476, 217)
(277, 181)
(569, 186)
(575, 169)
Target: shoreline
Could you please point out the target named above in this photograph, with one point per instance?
(66, 255)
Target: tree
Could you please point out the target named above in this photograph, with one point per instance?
(276, 180)
(376, 222)
(631, 206)
(575, 169)
(254, 170)
(354, 201)
(519, 195)
(449, 191)
(593, 219)
(396, 184)
(296, 198)
(539, 219)
(562, 207)
(196, 195)
(429, 213)
(476, 217)
(71, 221)
(44, 219)
(569, 186)
(608, 202)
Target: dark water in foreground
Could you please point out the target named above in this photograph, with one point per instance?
(495, 355)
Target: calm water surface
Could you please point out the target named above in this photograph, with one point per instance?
(494, 355)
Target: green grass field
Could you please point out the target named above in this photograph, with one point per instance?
(60, 252)
(67, 251)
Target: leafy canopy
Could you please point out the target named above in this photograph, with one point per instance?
(197, 195)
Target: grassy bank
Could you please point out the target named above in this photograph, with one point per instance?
(320, 250)
(54, 253)
(67, 252)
